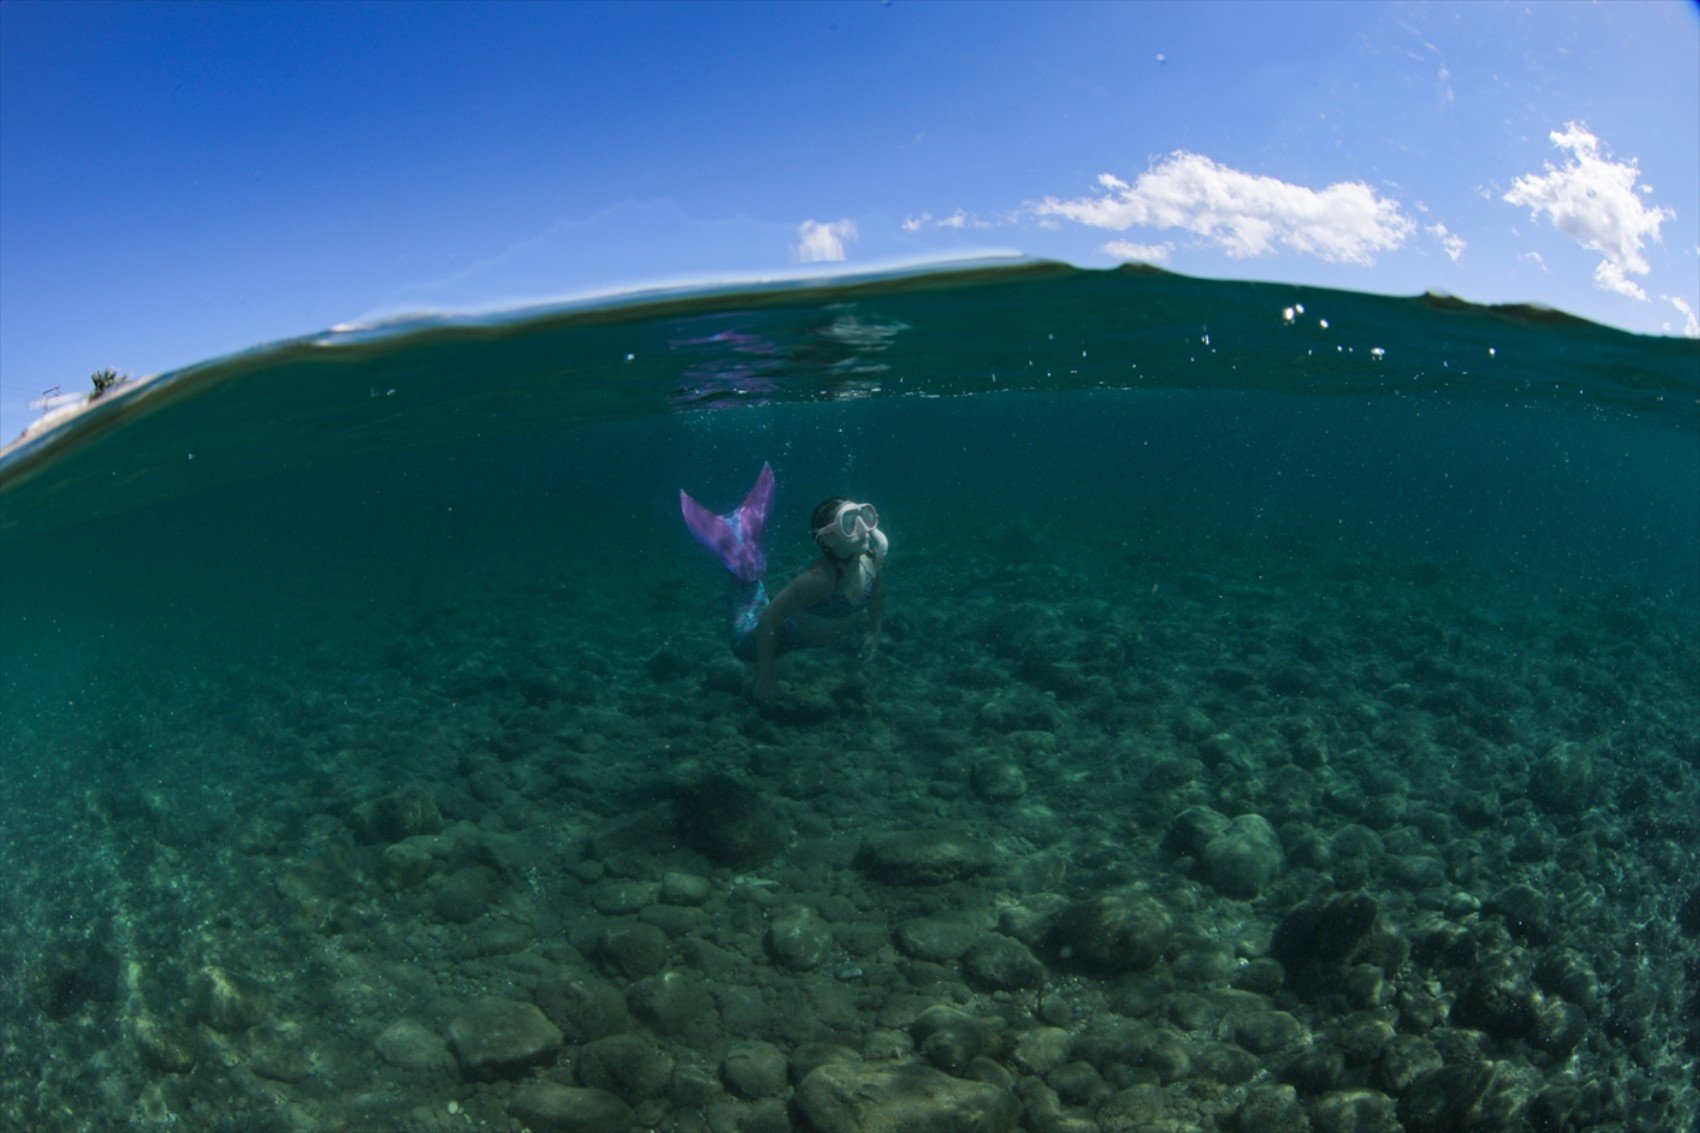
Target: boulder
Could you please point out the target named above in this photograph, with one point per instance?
(798, 939)
(1562, 780)
(754, 1070)
(727, 821)
(924, 857)
(549, 1107)
(400, 814)
(412, 1045)
(854, 1097)
(1001, 963)
(496, 1038)
(1115, 933)
(1243, 859)
(626, 1066)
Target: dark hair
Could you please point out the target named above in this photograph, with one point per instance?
(824, 512)
(819, 518)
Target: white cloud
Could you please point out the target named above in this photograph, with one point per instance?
(1145, 253)
(957, 219)
(1243, 213)
(1535, 258)
(1690, 324)
(1592, 199)
(1608, 276)
(1451, 241)
(822, 243)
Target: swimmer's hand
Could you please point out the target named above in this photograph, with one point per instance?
(870, 646)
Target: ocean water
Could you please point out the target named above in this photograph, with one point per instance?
(1288, 717)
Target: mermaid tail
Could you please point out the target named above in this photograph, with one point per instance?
(735, 538)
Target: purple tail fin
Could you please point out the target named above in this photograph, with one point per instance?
(736, 539)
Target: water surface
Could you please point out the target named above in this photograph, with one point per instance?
(1295, 692)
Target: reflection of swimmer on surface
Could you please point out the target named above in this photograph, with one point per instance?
(822, 603)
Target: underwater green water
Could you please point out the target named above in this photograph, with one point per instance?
(1444, 540)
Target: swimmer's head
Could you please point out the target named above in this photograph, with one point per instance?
(844, 528)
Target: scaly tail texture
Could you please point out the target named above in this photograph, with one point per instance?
(736, 538)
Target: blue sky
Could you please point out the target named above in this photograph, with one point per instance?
(183, 180)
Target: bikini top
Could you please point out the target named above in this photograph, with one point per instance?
(841, 605)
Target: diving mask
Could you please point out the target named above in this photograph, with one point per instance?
(852, 520)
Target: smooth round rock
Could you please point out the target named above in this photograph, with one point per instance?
(400, 814)
(634, 949)
(1079, 1084)
(1133, 1108)
(497, 1038)
(1272, 1109)
(279, 1052)
(404, 865)
(1262, 1032)
(230, 1002)
(807, 1057)
(1321, 934)
(754, 1070)
(1559, 1026)
(1194, 828)
(1003, 964)
(1498, 999)
(924, 857)
(163, 1045)
(1225, 1063)
(627, 1066)
(728, 821)
(799, 940)
(938, 940)
(950, 1039)
(1444, 1100)
(621, 898)
(1405, 1059)
(1242, 860)
(466, 894)
(998, 781)
(548, 1107)
(1114, 933)
(1562, 780)
(673, 1002)
(679, 888)
(412, 1045)
(1042, 1049)
(1527, 912)
(854, 1097)
(583, 1006)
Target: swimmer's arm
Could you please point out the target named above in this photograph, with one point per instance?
(804, 591)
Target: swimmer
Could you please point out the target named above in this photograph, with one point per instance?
(826, 600)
